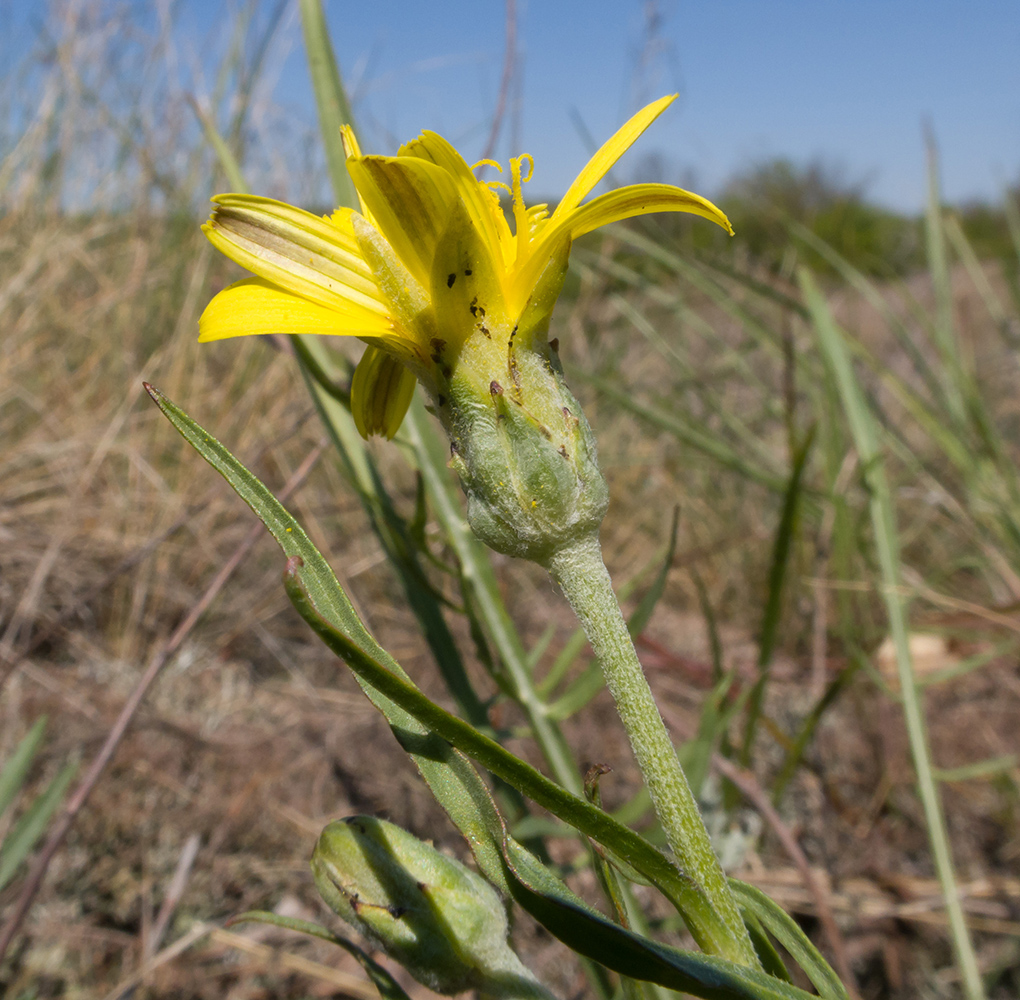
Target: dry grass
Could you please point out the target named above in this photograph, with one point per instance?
(254, 737)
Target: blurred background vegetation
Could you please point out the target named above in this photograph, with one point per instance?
(698, 359)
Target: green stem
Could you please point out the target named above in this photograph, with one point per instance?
(579, 570)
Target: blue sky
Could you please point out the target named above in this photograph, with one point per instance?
(848, 82)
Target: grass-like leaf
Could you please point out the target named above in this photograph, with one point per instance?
(388, 987)
(12, 777)
(32, 824)
(788, 933)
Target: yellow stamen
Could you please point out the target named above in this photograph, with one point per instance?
(486, 163)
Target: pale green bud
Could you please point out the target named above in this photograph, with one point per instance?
(441, 921)
(527, 459)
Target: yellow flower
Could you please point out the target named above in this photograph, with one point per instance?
(428, 274)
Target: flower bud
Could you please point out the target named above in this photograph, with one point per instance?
(526, 457)
(441, 921)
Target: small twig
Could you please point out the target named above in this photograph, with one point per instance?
(63, 824)
(11, 660)
(509, 64)
(174, 892)
(758, 797)
(169, 953)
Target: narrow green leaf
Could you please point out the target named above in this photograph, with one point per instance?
(807, 730)
(32, 825)
(588, 684)
(883, 520)
(938, 266)
(781, 548)
(388, 987)
(426, 731)
(448, 774)
(588, 933)
(788, 933)
(392, 531)
(769, 957)
(565, 658)
(12, 777)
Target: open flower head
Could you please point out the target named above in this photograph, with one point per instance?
(428, 265)
(431, 275)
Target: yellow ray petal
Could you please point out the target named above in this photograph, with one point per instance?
(477, 197)
(316, 258)
(466, 288)
(254, 306)
(410, 200)
(642, 199)
(602, 162)
(381, 392)
(636, 199)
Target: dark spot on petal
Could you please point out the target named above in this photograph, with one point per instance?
(474, 306)
(485, 330)
(467, 272)
(563, 451)
(555, 345)
(437, 358)
(422, 886)
(396, 911)
(495, 388)
(450, 279)
(545, 432)
(438, 345)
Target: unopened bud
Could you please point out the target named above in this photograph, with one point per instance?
(526, 457)
(441, 921)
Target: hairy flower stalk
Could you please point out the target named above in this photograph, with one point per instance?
(430, 275)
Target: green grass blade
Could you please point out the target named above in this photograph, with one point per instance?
(589, 933)
(228, 161)
(788, 933)
(394, 536)
(642, 614)
(781, 549)
(807, 730)
(12, 777)
(330, 98)
(565, 658)
(938, 266)
(32, 825)
(886, 541)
